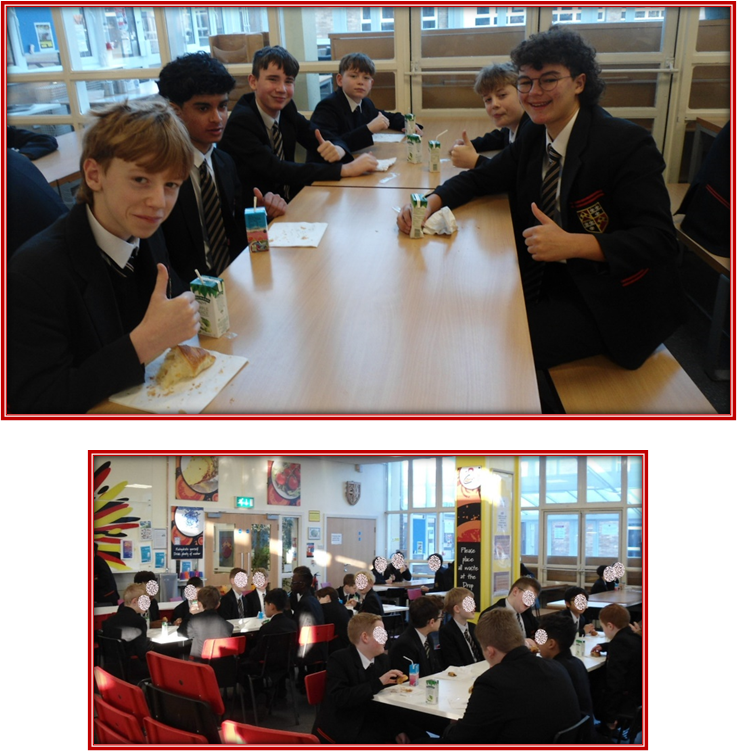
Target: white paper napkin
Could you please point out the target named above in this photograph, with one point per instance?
(296, 234)
(388, 137)
(384, 164)
(441, 223)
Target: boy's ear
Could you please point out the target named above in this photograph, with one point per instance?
(93, 174)
(177, 109)
(339, 80)
(253, 81)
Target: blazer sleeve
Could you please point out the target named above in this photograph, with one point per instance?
(343, 689)
(449, 646)
(30, 144)
(335, 124)
(484, 715)
(496, 139)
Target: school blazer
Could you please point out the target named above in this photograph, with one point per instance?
(183, 231)
(229, 606)
(454, 648)
(612, 187)
(528, 619)
(409, 645)
(334, 119)
(67, 349)
(496, 139)
(247, 141)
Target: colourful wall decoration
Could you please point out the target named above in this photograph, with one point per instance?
(284, 484)
(196, 478)
(187, 532)
(112, 521)
(468, 530)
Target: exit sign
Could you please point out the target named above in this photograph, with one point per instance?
(242, 502)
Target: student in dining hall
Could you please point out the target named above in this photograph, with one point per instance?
(595, 239)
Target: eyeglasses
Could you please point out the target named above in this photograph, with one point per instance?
(546, 83)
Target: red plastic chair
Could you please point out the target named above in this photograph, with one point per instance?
(315, 635)
(315, 687)
(414, 593)
(157, 732)
(121, 722)
(238, 732)
(104, 734)
(191, 679)
(223, 656)
(228, 646)
(122, 695)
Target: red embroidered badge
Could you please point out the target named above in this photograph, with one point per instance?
(593, 218)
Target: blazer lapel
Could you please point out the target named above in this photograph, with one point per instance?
(576, 144)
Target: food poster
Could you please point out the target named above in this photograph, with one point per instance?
(284, 484)
(468, 529)
(196, 478)
(187, 532)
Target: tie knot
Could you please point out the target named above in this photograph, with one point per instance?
(553, 155)
(203, 169)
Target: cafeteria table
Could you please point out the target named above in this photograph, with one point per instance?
(373, 322)
(628, 598)
(110, 609)
(62, 166)
(412, 584)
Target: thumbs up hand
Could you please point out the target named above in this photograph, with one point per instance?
(327, 150)
(463, 153)
(546, 242)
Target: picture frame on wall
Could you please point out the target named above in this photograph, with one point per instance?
(313, 533)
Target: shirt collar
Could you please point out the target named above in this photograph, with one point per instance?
(353, 105)
(423, 637)
(364, 660)
(119, 251)
(268, 119)
(561, 142)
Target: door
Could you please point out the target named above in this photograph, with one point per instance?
(351, 546)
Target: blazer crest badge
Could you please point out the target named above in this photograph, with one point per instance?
(591, 213)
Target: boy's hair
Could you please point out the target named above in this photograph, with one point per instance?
(192, 75)
(493, 77)
(146, 133)
(423, 610)
(572, 592)
(600, 571)
(563, 46)
(277, 55)
(142, 577)
(260, 571)
(278, 598)
(357, 61)
(525, 583)
(499, 629)
(235, 571)
(208, 597)
(349, 580)
(327, 591)
(362, 623)
(456, 597)
(196, 582)
(368, 575)
(560, 627)
(616, 615)
(133, 592)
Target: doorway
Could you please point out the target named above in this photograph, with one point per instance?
(351, 546)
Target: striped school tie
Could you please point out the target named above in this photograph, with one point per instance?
(217, 258)
(278, 142)
(472, 646)
(533, 277)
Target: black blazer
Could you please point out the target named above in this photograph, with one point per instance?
(611, 187)
(183, 230)
(580, 679)
(623, 675)
(246, 140)
(454, 649)
(392, 571)
(67, 349)
(202, 626)
(528, 619)
(129, 626)
(348, 714)
(31, 145)
(370, 603)
(602, 586)
(279, 624)
(340, 616)
(334, 119)
(253, 604)
(229, 606)
(523, 699)
(496, 139)
(409, 645)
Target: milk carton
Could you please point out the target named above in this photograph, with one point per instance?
(409, 124)
(434, 147)
(257, 228)
(414, 149)
(419, 207)
(210, 295)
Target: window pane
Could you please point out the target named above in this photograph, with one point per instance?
(603, 479)
(562, 538)
(423, 535)
(37, 98)
(561, 479)
(396, 538)
(602, 539)
(31, 40)
(449, 481)
(530, 485)
(397, 479)
(634, 479)
(530, 532)
(634, 537)
(448, 539)
(424, 473)
(97, 94)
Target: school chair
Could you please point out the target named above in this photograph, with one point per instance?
(122, 695)
(181, 712)
(315, 687)
(113, 655)
(238, 732)
(573, 733)
(104, 734)
(223, 655)
(414, 593)
(628, 726)
(122, 723)
(157, 732)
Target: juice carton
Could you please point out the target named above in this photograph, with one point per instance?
(434, 147)
(414, 149)
(257, 228)
(409, 124)
(419, 207)
(210, 295)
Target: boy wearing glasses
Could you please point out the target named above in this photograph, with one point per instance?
(595, 239)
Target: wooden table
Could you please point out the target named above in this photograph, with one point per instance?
(62, 165)
(403, 174)
(628, 598)
(707, 129)
(412, 584)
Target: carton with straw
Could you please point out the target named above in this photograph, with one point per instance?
(209, 291)
(257, 229)
(419, 207)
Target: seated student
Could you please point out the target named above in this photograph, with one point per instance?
(234, 605)
(348, 113)
(276, 603)
(187, 608)
(560, 634)
(497, 86)
(89, 297)
(294, 597)
(394, 574)
(336, 613)
(601, 585)
(380, 577)
(521, 699)
(443, 576)
(129, 625)
(207, 624)
(143, 577)
(199, 234)
(29, 194)
(264, 128)
(458, 645)
(255, 598)
(602, 207)
(354, 676)
(308, 612)
(348, 594)
(515, 603)
(578, 616)
(414, 644)
(370, 601)
(622, 692)
(31, 145)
